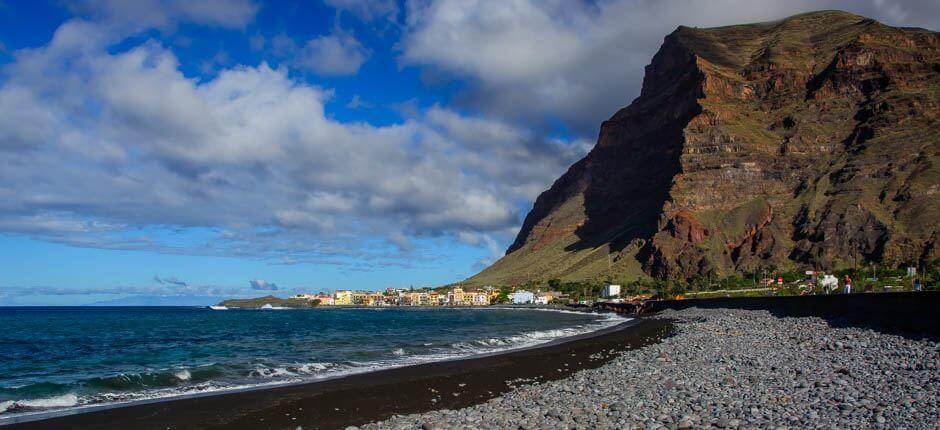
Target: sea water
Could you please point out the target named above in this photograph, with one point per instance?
(61, 358)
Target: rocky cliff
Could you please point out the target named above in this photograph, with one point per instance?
(807, 142)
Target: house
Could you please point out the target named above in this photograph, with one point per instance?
(304, 296)
(343, 297)
(325, 299)
(522, 297)
(374, 299)
(479, 298)
(455, 297)
(544, 298)
(359, 297)
(611, 291)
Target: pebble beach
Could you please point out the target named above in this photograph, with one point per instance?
(728, 369)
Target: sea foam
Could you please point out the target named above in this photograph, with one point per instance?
(62, 401)
(183, 375)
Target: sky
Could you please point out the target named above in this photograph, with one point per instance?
(176, 152)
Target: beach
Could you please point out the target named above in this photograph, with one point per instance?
(724, 368)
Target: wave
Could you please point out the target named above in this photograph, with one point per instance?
(156, 379)
(214, 378)
(183, 375)
(44, 403)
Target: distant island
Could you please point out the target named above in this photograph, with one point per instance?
(260, 302)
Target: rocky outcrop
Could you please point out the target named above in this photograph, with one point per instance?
(810, 141)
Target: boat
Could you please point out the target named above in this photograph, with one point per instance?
(218, 308)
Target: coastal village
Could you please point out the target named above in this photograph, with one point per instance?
(457, 296)
(554, 292)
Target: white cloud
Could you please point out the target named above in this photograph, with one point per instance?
(261, 284)
(99, 149)
(581, 61)
(338, 53)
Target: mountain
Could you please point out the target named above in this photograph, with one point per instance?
(807, 142)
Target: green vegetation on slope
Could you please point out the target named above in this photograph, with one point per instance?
(258, 302)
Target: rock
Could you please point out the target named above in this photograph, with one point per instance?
(738, 124)
(763, 395)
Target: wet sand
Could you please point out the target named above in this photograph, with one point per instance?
(363, 398)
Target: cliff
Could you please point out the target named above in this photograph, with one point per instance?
(806, 142)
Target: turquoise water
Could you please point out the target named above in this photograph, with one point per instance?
(54, 358)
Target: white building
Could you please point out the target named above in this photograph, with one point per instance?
(541, 300)
(522, 297)
(611, 290)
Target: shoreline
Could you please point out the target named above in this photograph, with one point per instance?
(323, 406)
(728, 369)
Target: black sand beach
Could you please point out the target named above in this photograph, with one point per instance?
(363, 398)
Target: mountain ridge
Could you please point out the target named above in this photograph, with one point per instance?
(803, 142)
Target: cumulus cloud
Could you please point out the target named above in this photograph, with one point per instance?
(261, 284)
(338, 53)
(581, 61)
(102, 148)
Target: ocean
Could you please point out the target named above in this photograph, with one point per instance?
(61, 358)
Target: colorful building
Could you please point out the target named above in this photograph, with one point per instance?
(343, 297)
(325, 299)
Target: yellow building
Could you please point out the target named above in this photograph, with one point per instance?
(359, 297)
(342, 297)
(374, 299)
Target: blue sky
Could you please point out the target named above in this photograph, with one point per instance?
(173, 151)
